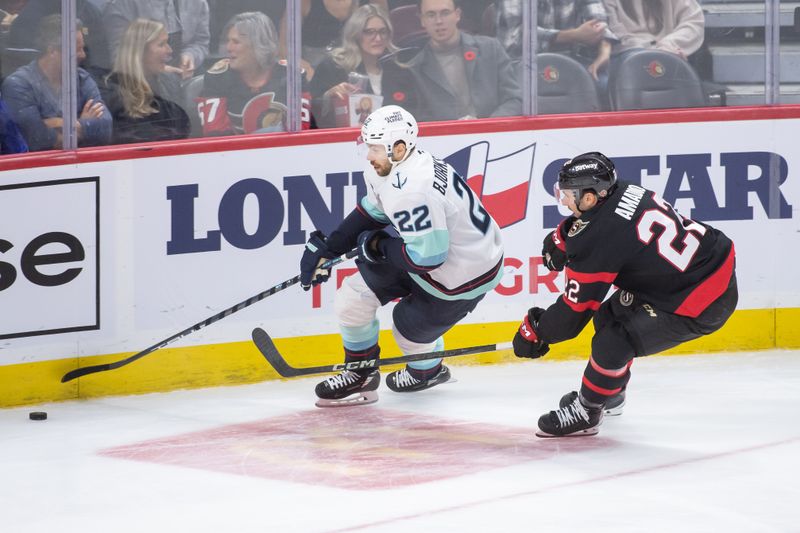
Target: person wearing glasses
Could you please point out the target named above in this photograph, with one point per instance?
(462, 76)
(367, 51)
(322, 25)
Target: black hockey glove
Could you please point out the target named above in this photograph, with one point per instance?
(554, 251)
(527, 342)
(368, 246)
(316, 253)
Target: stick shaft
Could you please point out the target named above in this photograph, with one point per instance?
(267, 348)
(79, 372)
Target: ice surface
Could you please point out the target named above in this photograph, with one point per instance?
(706, 443)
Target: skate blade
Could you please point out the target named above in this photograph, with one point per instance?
(615, 411)
(583, 433)
(359, 398)
(451, 380)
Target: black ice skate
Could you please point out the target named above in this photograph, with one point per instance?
(410, 380)
(348, 388)
(613, 407)
(573, 420)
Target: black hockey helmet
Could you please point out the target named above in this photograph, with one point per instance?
(590, 171)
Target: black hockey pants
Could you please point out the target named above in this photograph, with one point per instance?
(627, 327)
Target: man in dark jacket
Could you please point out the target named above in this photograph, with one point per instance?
(462, 76)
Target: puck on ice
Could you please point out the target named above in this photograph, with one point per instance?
(38, 415)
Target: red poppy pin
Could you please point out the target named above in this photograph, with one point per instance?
(469, 55)
(399, 96)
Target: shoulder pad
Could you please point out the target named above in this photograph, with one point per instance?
(219, 67)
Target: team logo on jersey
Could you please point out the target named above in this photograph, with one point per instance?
(655, 69)
(577, 227)
(625, 298)
(550, 74)
(263, 114)
(399, 184)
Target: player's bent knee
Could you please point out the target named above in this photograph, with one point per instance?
(612, 347)
(407, 346)
(354, 303)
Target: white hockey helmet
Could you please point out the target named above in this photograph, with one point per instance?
(388, 125)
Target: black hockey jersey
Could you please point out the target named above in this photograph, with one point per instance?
(638, 242)
(227, 106)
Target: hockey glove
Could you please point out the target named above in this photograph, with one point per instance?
(368, 246)
(315, 254)
(527, 342)
(554, 251)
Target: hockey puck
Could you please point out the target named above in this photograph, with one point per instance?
(38, 415)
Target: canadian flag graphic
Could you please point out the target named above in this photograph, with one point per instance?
(502, 183)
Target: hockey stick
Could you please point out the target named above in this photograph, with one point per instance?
(267, 348)
(78, 372)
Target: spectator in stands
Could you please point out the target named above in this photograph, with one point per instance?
(462, 76)
(11, 139)
(186, 22)
(674, 26)
(141, 92)
(33, 94)
(23, 31)
(366, 49)
(577, 28)
(323, 22)
(244, 92)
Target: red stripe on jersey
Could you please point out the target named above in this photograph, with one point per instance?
(610, 373)
(557, 237)
(594, 305)
(709, 290)
(413, 264)
(591, 277)
(600, 390)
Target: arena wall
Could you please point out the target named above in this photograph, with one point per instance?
(104, 252)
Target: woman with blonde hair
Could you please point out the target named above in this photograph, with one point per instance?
(142, 90)
(366, 53)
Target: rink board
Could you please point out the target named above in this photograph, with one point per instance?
(156, 238)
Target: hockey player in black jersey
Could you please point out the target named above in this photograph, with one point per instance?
(673, 281)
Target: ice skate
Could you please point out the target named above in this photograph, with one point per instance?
(410, 380)
(573, 420)
(613, 407)
(348, 388)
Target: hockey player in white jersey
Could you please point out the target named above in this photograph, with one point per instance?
(422, 236)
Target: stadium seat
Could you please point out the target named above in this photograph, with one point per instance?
(13, 58)
(408, 31)
(654, 79)
(564, 86)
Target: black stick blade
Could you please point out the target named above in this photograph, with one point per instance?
(79, 372)
(267, 348)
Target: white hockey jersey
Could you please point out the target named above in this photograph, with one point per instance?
(443, 224)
